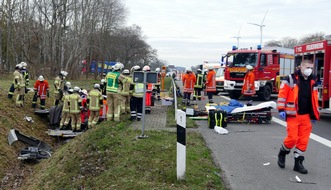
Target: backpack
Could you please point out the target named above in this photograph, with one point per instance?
(217, 118)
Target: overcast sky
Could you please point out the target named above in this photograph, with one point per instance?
(188, 32)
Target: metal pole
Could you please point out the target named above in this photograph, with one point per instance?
(143, 136)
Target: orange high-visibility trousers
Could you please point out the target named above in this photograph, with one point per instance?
(298, 132)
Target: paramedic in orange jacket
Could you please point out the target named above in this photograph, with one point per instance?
(189, 80)
(210, 84)
(298, 105)
(249, 87)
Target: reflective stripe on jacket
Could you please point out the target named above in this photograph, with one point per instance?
(66, 107)
(126, 86)
(138, 90)
(288, 96)
(75, 102)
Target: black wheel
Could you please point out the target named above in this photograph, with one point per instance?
(234, 94)
(266, 93)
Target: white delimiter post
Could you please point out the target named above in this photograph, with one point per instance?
(181, 144)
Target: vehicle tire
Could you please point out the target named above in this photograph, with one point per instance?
(266, 93)
(234, 94)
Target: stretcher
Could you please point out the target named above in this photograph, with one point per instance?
(260, 113)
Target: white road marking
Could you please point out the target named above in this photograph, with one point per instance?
(316, 138)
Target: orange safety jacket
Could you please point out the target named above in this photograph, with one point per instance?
(211, 81)
(249, 86)
(288, 96)
(189, 80)
(41, 88)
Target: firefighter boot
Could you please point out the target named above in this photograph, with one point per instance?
(298, 165)
(282, 157)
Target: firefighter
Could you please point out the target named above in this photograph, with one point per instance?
(189, 80)
(298, 105)
(18, 84)
(41, 90)
(103, 86)
(126, 93)
(66, 88)
(75, 107)
(198, 86)
(136, 101)
(25, 74)
(149, 93)
(249, 87)
(59, 86)
(65, 117)
(114, 79)
(210, 84)
(157, 85)
(94, 103)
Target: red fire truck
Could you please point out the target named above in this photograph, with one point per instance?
(320, 53)
(268, 63)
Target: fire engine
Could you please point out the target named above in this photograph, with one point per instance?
(269, 63)
(320, 53)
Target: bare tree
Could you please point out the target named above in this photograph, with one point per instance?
(312, 37)
(289, 42)
(273, 43)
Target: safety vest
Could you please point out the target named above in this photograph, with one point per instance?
(95, 100)
(75, 102)
(199, 81)
(249, 86)
(66, 107)
(112, 81)
(138, 90)
(150, 87)
(211, 81)
(189, 81)
(126, 85)
(288, 96)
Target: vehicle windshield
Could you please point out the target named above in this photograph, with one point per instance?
(220, 72)
(241, 59)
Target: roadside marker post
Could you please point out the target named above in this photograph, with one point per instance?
(181, 144)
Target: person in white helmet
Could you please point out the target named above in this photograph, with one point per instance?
(189, 80)
(136, 101)
(94, 103)
(14, 86)
(41, 90)
(59, 86)
(249, 83)
(158, 84)
(75, 107)
(149, 92)
(114, 80)
(65, 115)
(103, 86)
(66, 88)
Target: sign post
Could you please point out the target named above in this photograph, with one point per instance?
(181, 144)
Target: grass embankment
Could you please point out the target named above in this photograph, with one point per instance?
(106, 157)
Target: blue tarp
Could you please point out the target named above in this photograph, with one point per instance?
(231, 106)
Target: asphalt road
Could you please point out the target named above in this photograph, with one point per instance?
(248, 160)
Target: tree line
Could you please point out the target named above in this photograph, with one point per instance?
(55, 35)
(289, 42)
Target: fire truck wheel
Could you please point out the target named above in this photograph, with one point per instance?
(266, 93)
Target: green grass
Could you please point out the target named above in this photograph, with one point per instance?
(111, 157)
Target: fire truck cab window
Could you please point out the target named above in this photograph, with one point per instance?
(243, 59)
(263, 60)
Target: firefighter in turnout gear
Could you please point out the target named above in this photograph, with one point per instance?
(59, 86)
(298, 104)
(149, 92)
(94, 103)
(19, 85)
(65, 118)
(126, 93)
(113, 88)
(189, 80)
(157, 85)
(75, 106)
(41, 90)
(249, 87)
(14, 85)
(136, 102)
(198, 85)
(25, 74)
(210, 84)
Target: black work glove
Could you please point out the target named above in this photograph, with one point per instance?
(47, 94)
